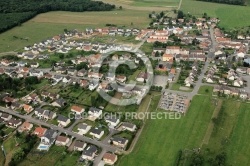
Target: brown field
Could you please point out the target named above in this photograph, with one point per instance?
(118, 17)
(160, 5)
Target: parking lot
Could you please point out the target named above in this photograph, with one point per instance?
(174, 102)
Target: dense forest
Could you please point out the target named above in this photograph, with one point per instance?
(231, 2)
(15, 12)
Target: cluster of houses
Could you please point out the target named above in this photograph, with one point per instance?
(192, 76)
(232, 77)
(9, 120)
(171, 53)
(239, 46)
(223, 89)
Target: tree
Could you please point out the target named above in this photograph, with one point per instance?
(82, 65)
(120, 7)
(180, 14)
(162, 14)
(149, 15)
(61, 56)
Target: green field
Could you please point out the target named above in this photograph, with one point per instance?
(231, 16)
(206, 90)
(239, 149)
(161, 139)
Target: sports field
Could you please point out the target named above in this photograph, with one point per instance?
(231, 16)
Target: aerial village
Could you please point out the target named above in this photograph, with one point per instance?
(62, 75)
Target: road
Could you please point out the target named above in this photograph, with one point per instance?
(179, 6)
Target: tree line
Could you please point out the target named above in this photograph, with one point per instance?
(15, 12)
(230, 2)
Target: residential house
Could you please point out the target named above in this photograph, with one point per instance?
(26, 126)
(112, 121)
(49, 137)
(119, 142)
(94, 112)
(84, 83)
(167, 57)
(66, 79)
(77, 109)
(15, 105)
(14, 123)
(81, 73)
(93, 84)
(62, 140)
(27, 108)
(83, 128)
(89, 153)
(109, 158)
(6, 117)
(34, 64)
(63, 121)
(96, 132)
(59, 103)
(79, 145)
(39, 131)
(128, 126)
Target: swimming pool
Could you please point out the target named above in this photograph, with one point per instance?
(43, 147)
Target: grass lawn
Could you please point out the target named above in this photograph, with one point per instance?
(231, 19)
(69, 159)
(161, 139)
(177, 86)
(206, 90)
(54, 155)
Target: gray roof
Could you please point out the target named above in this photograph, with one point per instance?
(120, 140)
(79, 144)
(94, 110)
(61, 101)
(82, 126)
(128, 125)
(50, 134)
(90, 150)
(62, 118)
(96, 130)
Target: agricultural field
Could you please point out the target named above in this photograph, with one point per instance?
(161, 139)
(237, 17)
(50, 24)
(145, 5)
